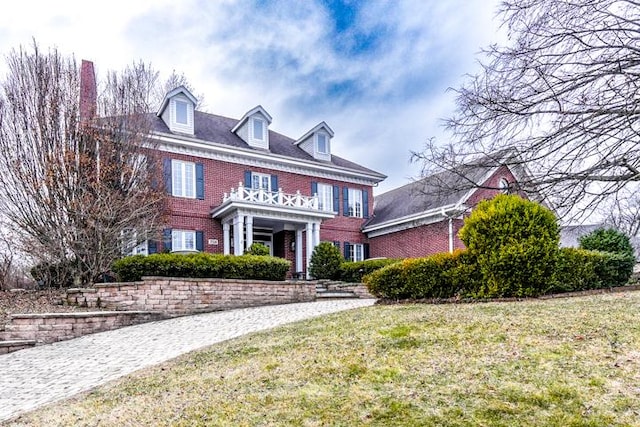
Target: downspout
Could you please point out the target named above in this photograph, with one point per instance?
(450, 218)
(451, 234)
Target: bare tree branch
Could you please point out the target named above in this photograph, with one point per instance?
(563, 95)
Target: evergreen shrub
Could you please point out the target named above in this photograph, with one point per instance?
(201, 265)
(607, 240)
(354, 271)
(257, 248)
(576, 270)
(325, 261)
(515, 244)
(438, 276)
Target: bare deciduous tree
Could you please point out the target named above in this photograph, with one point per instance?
(73, 186)
(563, 96)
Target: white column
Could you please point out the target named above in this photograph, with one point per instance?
(226, 238)
(299, 265)
(316, 234)
(249, 223)
(309, 231)
(238, 235)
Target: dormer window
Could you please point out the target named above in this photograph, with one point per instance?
(182, 112)
(322, 143)
(177, 110)
(253, 128)
(258, 129)
(317, 142)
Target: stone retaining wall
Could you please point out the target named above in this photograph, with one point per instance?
(178, 296)
(46, 328)
(358, 289)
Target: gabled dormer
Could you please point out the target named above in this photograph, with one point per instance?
(177, 110)
(253, 128)
(317, 142)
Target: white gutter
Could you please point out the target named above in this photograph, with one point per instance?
(413, 217)
(197, 144)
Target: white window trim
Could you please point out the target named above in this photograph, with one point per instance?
(180, 239)
(504, 185)
(255, 121)
(179, 102)
(261, 177)
(326, 143)
(183, 188)
(355, 203)
(325, 195)
(356, 252)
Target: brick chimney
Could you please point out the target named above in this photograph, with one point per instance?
(88, 92)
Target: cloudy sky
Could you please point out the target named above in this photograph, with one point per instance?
(376, 71)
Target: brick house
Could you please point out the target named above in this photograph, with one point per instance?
(233, 182)
(421, 218)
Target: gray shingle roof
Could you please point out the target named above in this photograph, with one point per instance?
(217, 129)
(432, 192)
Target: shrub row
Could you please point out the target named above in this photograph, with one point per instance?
(581, 269)
(458, 274)
(353, 272)
(438, 276)
(201, 265)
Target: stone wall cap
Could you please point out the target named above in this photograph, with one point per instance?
(80, 314)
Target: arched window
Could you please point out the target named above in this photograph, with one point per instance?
(504, 185)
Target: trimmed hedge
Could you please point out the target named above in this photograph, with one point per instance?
(515, 244)
(438, 276)
(353, 272)
(458, 275)
(576, 270)
(201, 265)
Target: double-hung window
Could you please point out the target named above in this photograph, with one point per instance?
(325, 197)
(322, 143)
(181, 112)
(261, 181)
(183, 240)
(355, 202)
(183, 179)
(356, 252)
(258, 129)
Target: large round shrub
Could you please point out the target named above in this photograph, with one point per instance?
(515, 244)
(325, 261)
(607, 240)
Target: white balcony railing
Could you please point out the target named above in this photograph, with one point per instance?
(279, 198)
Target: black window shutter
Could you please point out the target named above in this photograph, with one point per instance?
(200, 181)
(336, 199)
(345, 201)
(166, 239)
(274, 183)
(152, 247)
(247, 179)
(200, 241)
(347, 251)
(314, 188)
(365, 251)
(166, 171)
(365, 203)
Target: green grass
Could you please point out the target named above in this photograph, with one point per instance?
(564, 362)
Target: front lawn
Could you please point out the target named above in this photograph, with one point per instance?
(562, 362)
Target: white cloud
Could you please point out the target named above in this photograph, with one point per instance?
(382, 102)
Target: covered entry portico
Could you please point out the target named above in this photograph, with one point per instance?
(248, 213)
